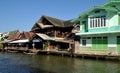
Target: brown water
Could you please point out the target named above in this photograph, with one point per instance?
(20, 63)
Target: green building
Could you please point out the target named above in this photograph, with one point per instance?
(100, 28)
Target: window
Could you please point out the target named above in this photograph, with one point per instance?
(97, 22)
(84, 42)
(119, 19)
(118, 36)
(83, 25)
(88, 37)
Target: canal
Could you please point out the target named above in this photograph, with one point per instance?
(20, 63)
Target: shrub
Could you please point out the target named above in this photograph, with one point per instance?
(1, 45)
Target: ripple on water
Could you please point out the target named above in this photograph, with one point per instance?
(21, 69)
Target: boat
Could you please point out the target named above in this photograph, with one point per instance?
(12, 51)
(31, 52)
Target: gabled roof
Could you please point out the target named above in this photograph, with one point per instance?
(18, 35)
(105, 7)
(111, 9)
(27, 35)
(111, 2)
(54, 21)
(68, 23)
(14, 36)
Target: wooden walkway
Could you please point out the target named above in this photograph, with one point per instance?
(62, 53)
(16, 48)
(66, 53)
(83, 56)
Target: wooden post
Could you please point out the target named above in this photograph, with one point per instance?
(62, 34)
(55, 34)
(33, 45)
(73, 47)
(26, 46)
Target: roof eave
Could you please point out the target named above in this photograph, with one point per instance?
(76, 20)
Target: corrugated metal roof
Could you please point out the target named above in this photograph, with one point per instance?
(44, 36)
(28, 35)
(20, 41)
(18, 35)
(14, 36)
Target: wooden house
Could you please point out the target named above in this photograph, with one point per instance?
(5, 35)
(58, 31)
(19, 41)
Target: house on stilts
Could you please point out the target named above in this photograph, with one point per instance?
(53, 34)
(19, 41)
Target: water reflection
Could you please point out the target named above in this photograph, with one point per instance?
(20, 63)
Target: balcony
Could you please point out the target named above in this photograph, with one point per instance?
(115, 28)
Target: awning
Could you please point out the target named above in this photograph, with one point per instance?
(44, 36)
(19, 41)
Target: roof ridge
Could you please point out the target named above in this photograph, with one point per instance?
(52, 17)
(48, 17)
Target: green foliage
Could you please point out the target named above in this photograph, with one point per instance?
(1, 45)
(46, 45)
(12, 32)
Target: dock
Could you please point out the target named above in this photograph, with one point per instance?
(83, 56)
(65, 53)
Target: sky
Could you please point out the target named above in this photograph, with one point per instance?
(22, 14)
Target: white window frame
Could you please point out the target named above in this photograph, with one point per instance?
(97, 22)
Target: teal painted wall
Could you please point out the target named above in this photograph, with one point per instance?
(112, 21)
(98, 29)
(82, 31)
(114, 28)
